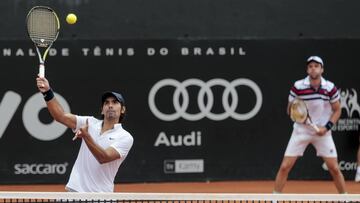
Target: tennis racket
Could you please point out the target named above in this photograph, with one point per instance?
(299, 113)
(43, 28)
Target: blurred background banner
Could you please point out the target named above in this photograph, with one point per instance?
(198, 109)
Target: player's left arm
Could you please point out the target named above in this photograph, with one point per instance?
(336, 111)
(102, 155)
(336, 108)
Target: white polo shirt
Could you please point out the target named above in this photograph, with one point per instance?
(317, 101)
(87, 174)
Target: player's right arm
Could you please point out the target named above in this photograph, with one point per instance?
(292, 96)
(54, 107)
(288, 108)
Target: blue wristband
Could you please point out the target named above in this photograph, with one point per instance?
(48, 95)
(329, 125)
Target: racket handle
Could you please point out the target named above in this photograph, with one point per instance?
(42, 70)
(76, 135)
(315, 127)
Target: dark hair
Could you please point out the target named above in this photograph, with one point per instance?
(122, 116)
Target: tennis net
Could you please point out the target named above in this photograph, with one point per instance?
(22, 197)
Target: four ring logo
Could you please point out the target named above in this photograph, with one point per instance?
(205, 108)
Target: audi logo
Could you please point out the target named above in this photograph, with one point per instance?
(205, 108)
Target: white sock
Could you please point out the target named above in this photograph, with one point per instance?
(358, 169)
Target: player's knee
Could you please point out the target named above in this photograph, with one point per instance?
(334, 168)
(285, 167)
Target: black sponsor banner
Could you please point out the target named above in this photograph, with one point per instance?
(198, 109)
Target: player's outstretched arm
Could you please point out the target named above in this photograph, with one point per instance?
(54, 107)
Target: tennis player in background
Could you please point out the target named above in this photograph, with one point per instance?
(105, 144)
(322, 100)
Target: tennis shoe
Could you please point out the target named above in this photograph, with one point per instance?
(357, 177)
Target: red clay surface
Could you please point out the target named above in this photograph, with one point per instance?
(300, 187)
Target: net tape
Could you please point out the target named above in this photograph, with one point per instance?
(172, 197)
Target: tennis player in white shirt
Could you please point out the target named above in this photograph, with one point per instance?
(322, 99)
(105, 143)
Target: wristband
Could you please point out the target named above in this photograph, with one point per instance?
(48, 95)
(329, 125)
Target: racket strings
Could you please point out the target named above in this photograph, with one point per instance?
(299, 111)
(42, 26)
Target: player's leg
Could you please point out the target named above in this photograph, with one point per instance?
(325, 147)
(283, 172)
(333, 166)
(357, 175)
(295, 148)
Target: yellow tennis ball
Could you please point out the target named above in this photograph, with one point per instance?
(71, 18)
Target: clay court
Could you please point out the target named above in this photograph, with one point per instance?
(207, 90)
(300, 187)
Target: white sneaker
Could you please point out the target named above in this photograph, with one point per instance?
(357, 177)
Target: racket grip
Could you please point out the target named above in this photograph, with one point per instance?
(74, 138)
(315, 127)
(42, 70)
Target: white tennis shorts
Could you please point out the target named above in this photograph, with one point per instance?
(301, 138)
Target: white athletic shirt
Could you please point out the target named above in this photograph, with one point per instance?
(318, 101)
(87, 174)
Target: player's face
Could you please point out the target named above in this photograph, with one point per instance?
(314, 70)
(112, 109)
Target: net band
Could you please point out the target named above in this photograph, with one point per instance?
(173, 197)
